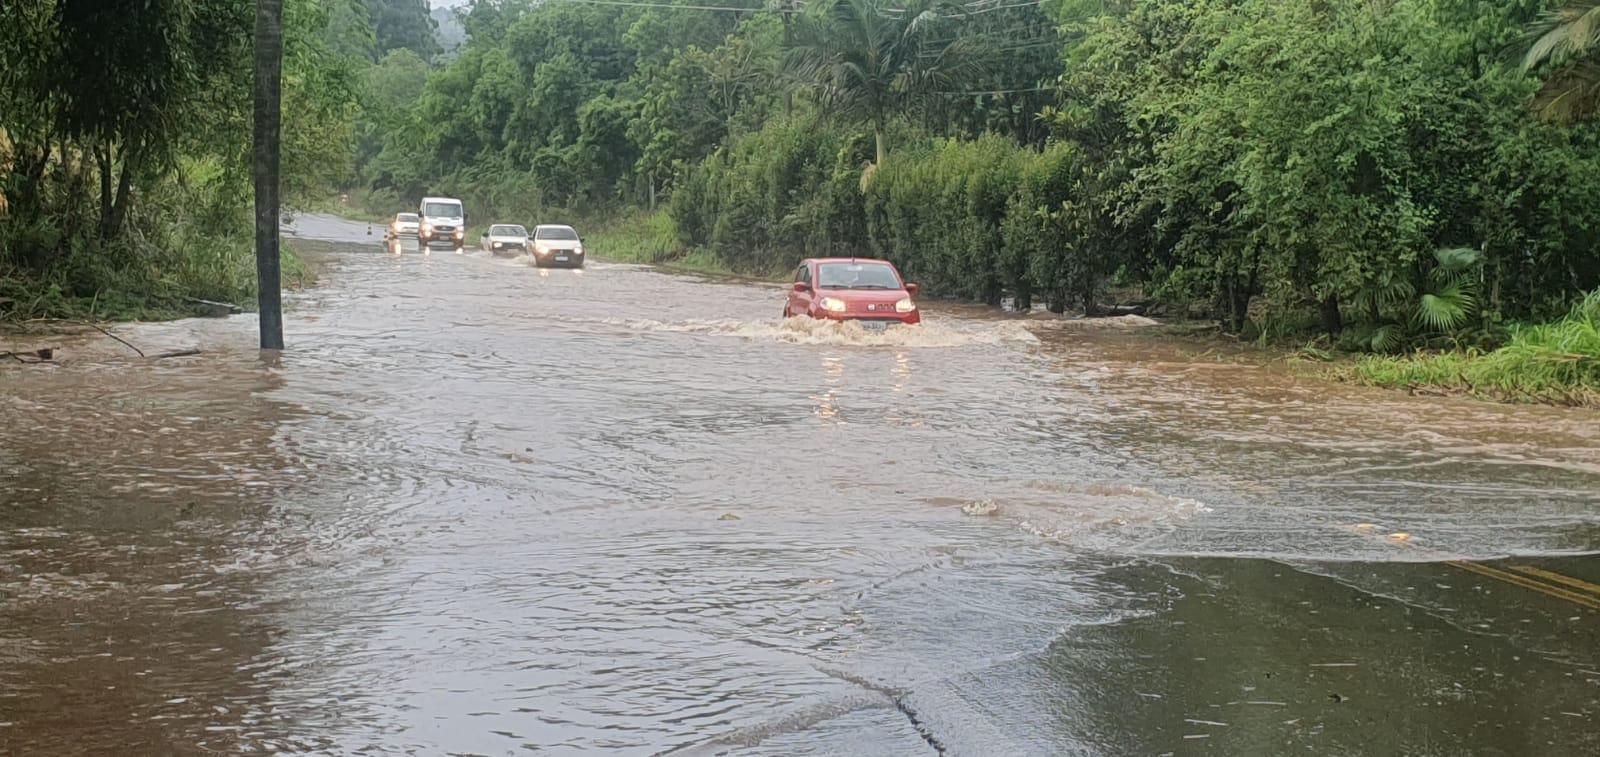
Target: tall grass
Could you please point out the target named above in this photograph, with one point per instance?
(636, 237)
(1555, 362)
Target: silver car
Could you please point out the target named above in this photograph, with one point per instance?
(506, 239)
(554, 244)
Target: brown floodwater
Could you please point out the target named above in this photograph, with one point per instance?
(483, 508)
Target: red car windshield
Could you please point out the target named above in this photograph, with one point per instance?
(856, 276)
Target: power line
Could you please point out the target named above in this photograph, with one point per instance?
(1013, 49)
(672, 6)
(978, 12)
(1001, 8)
(996, 92)
(783, 10)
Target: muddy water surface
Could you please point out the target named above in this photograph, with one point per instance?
(482, 508)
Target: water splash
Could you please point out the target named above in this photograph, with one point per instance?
(933, 334)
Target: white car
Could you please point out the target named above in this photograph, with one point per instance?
(555, 244)
(506, 239)
(405, 225)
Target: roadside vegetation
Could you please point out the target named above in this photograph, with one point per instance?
(1414, 177)
(125, 151)
(1402, 178)
(1556, 362)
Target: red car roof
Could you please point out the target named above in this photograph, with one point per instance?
(847, 260)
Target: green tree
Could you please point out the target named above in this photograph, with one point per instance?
(874, 60)
(407, 24)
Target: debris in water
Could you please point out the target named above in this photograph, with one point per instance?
(1204, 722)
(1366, 527)
(729, 516)
(981, 507)
(1335, 698)
(212, 309)
(42, 355)
(1400, 536)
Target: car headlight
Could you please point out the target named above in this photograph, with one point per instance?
(495, 245)
(543, 250)
(458, 233)
(427, 228)
(905, 305)
(832, 304)
(578, 250)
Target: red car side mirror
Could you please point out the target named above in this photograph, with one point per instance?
(913, 290)
(801, 286)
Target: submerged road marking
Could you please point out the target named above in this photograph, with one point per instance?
(1551, 585)
(1575, 583)
(1528, 583)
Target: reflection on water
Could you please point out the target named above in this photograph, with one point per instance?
(478, 509)
(901, 372)
(828, 399)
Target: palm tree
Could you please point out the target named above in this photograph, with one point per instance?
(1567, 37)
(1443, 305)
(869, 60)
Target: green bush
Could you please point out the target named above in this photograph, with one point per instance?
(1553, 362)
(184, 241)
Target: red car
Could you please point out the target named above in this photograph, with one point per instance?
(853, 289)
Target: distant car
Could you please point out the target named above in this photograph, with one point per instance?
(405, 225)
(506, 239)
(868, 291)
(554, 244)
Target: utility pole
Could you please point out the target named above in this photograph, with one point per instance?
(268, 134)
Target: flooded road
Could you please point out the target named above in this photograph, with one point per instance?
(481, 508)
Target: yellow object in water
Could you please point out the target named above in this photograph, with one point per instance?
(1401, 536)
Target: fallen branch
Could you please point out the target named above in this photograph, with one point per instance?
(215, 309)
(178, 353)
(114, 336)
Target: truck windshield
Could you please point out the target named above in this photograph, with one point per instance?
(442, 209)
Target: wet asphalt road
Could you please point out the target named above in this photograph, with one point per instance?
(480, 508)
